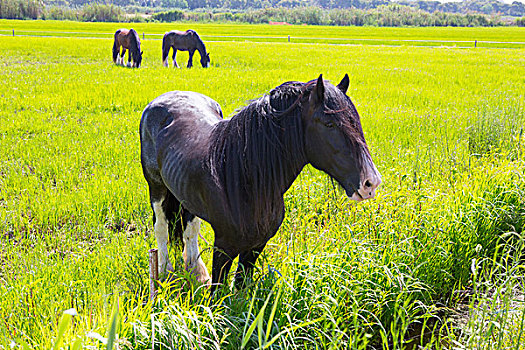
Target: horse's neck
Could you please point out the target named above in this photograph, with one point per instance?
(135, 45)
(282, 158)
(201, 48)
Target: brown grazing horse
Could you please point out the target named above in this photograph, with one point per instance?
(184, 41)
(233, 173)
(128, 40)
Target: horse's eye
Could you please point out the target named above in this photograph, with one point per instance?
(329, 124)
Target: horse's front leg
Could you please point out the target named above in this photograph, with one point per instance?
(191, 253)
(246, 264)
(190, 59)
(122, 56)
(222, 263)
(174, 56)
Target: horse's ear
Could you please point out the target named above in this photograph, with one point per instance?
(343, 85)
(317, 94)
(141, 52)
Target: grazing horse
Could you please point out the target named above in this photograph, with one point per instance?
(233, 173)
(184, 41)
(129, 40)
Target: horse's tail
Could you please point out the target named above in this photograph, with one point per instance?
(165, 47)
(115, 46)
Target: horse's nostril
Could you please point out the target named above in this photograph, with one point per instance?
(368, 183)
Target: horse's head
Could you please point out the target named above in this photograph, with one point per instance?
(138, 58)
(205, 60)
(334, 140)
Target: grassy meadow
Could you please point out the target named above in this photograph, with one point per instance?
(504, 37)
(434, 260)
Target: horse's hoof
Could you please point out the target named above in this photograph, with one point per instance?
(205, 281)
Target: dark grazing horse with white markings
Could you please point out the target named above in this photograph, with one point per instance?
(184, 41)
(128, 40)
(233, 173)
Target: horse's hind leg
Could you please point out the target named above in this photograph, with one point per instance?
(173, 223)
(174, 56)
(122, 55)
(191, 253)
(159, 198)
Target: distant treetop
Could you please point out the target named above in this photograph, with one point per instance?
(467, 6)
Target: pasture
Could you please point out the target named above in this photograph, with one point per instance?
(434, 259)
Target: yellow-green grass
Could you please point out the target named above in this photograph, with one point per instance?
(508, 37)
(444, 127)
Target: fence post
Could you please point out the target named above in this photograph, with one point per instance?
(13, 32)
(288, 38)
(153, 272)
(143, 36)
(475, 43)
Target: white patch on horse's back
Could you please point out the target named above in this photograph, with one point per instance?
(161, 234)
(202, 107)
(191, 253)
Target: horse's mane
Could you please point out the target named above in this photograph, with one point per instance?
(135, 43)
(200, 44)
(260, 150)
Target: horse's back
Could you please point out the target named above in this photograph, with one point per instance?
(175, 132)
(187, 106)
(181, 40)
(121, 36)
(122, 31)
(181, 120)
(177, 32)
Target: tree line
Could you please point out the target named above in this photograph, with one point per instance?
(467, 6)
(384, 16)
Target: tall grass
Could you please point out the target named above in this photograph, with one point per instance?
(75, 224)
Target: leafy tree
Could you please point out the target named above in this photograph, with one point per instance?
(20, 9)
(181, 4)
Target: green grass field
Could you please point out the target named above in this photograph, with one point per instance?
(434, 260)
(504, 37)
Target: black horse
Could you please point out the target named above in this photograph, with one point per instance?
(184, 41)
(233, 173)
(128, 40)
